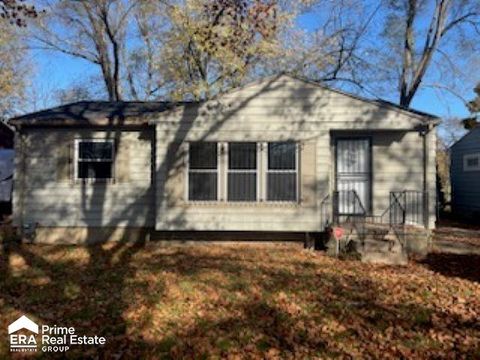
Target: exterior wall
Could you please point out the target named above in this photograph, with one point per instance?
(397, 165)
(90, 235)
(279, 110)
(46, 194)
(465, 184)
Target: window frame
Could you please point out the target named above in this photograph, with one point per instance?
(203, 171)
(77, 160)
(282, 171)
(467, 157)
(261, 171)
(257, 171)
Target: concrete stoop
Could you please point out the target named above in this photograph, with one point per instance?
(386, 258)
(378, 245)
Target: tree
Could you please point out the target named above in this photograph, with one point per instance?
(16, 11)
(213, 45)
(425, 33)
(13, 72)
(332, 51)
(91, 30)
(474, 105)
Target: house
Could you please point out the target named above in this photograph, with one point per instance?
(465, 174)
(6, 168)
(278, 155)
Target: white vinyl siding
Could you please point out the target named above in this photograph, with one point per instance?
(47, 202)
(282, 110)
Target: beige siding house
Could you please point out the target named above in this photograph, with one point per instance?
(277, 155)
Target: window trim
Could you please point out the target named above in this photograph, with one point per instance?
(77, 159)
(467, 157)
(257, 171)
(261, 171)
(218, 197)
(283, 171)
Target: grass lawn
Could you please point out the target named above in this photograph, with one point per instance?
(240, 301)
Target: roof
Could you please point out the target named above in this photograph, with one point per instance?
(475, 130)
(95, 113)
(137, 113)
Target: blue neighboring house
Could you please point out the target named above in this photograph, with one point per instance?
(465, 174)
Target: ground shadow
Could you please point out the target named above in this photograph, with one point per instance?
(454, 265)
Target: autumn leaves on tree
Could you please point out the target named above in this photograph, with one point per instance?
(193, 49)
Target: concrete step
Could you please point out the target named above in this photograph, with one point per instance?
(381, 245)
(386, 258)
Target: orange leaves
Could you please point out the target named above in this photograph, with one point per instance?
(241, 301)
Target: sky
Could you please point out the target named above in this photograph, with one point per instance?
(56, 71)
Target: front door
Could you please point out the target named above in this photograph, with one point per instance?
(353, 172)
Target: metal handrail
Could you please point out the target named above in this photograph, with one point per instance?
(356, 201)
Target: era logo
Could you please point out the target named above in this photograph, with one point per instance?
(21, 342)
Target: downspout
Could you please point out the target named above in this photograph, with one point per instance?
(424, 132)
(19, 178)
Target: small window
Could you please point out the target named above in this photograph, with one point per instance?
(203, 171)
(94, 159)
(471, 162)
(282, 171)
(242, 172)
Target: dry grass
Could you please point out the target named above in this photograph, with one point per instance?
(239, 302)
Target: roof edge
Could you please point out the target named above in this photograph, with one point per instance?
(378, 101)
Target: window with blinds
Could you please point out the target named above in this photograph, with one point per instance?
(282, 171)
(203, 171)
(242, 172)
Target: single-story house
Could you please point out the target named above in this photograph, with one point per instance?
(465, 174)
(281, 154)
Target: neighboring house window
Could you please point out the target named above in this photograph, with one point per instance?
(203, 171)
(282, 172)
(471, 162)
(242, 172)
(94, 159)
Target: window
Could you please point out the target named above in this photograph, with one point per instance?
(94, 159)
(242, 172)
(203, 171)
(282, 171)
(471, 162)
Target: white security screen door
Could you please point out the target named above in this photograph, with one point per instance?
(353, 167)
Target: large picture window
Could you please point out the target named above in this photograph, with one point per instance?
(203, 171)
(237, 172)
(94, 159)
(282, 171)
(242, 172)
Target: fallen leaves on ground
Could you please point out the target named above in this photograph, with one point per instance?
(239, 301)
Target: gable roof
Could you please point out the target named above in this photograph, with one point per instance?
(378, 102)
(137, 113)
(476, 130)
